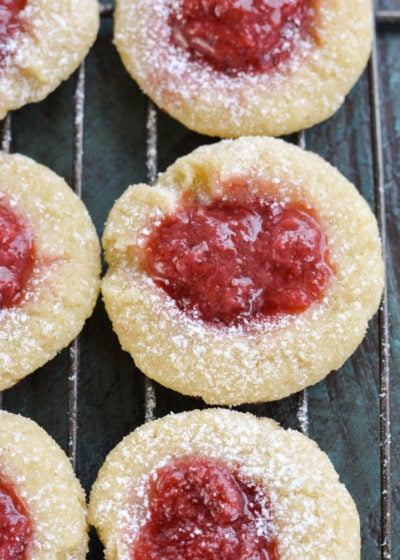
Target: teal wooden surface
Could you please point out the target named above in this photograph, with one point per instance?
(344, 408)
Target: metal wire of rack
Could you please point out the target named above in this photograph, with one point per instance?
(384, 334)
(391, 17)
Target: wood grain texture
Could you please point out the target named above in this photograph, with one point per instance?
(344, 408)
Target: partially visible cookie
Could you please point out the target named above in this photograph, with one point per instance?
(245, 68)
(248, 272)
(49, 266)
(41, 43)
(219, 484)
(42, 505)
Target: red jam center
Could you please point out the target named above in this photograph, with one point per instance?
(233, 261)
(199, 510)
(16, 257)
(242, 35)
(15, 528)
(10, 25)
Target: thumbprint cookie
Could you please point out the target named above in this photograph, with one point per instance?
(42, 505)
(49, 266)
(41, 43)
(249, 271)
(259, 67)
(221, 485)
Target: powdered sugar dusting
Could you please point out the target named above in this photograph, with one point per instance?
(63, 285)
(43, 478)
(311, 513)
(265, 360)
(50, 46)
(171, 69)
(303, 90)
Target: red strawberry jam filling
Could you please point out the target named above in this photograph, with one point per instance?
(200, 510)
(245, 35)
(15, 526)
(10, 26)
(16, 257)
(235, 260)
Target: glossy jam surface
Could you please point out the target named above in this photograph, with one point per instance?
(16, 256)
(15, 526)
(10, 25)
(200, 510)
(242, 35)
(235, 261)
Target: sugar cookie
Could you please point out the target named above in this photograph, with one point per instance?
(218, 484)
(49, 266)
(245, 68)
(41, 43)
(43, 509)
(284, 338)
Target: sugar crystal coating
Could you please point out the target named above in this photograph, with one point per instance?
(310, 514)
(62, 286)
(307, 83)
(41, 475)
(251, 361)
(41, 44)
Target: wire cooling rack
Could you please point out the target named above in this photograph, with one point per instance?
(387, 21)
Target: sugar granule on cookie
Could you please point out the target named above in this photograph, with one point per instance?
(49, 266)
(245, 68)
(221, 485)
(249, 271)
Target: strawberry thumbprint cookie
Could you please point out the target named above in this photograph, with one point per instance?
(41, 43)
(221, 485)
(49, 266)
(249, 271)
(42, 505)
(251, 67)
